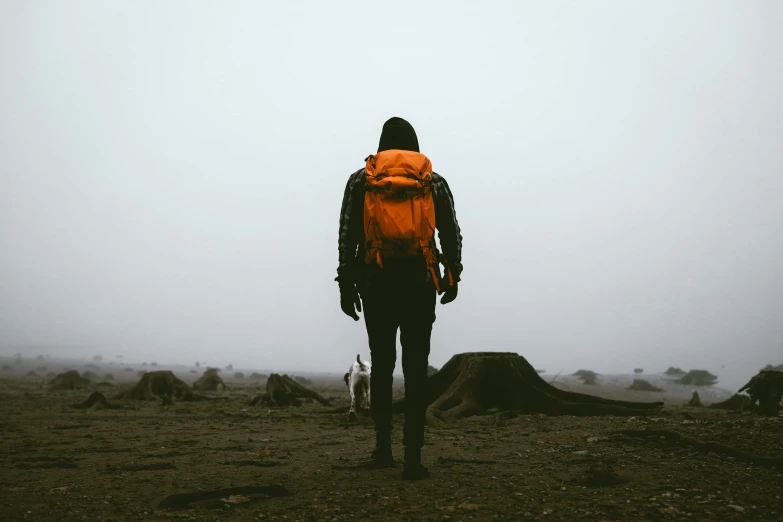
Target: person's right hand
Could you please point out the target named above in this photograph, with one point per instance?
(349, 300)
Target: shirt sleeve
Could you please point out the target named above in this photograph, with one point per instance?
(449, 233)
(350, 229)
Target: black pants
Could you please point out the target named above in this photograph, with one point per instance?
(399, 298)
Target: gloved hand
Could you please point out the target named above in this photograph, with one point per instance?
(349, 299)
(450, 294)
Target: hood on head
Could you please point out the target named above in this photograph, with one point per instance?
(398, 134)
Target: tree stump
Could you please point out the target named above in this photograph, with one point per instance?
(766, 388)
(70, 380)
(210, 381)
(281, 390)
(644, 385)
(471, 383)
(698, 378)
(736, 402)
(695, 400)
(163, 385)
(587, 376)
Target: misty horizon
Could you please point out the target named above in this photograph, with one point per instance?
(170, 182)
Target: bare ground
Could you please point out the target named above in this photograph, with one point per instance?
(61, 463)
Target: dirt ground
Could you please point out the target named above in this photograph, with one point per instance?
(61, 463)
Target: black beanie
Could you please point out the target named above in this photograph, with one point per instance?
(398, 134)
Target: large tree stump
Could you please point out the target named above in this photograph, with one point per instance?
(766, 388)
(471, 383)
(698, 378)
(163, 385)
(281, 390)
(70, 380)
(210, 381)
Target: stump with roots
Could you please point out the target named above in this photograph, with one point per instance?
(695, 400)
(587, 376)
(471, 383)
(766, 388)
(70, 380)
(210, 381)
(698, 378)
(163, 385)
(282, 390)
(644, 385)
(96, 401)
(736, 402)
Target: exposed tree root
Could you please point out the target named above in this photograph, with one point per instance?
(706, 447)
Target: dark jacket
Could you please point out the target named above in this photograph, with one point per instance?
(351, 268)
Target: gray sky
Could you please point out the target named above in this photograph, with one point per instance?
(171, 175)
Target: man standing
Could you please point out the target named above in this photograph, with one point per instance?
(389, 259)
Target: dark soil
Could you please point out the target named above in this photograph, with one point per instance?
(227, 461)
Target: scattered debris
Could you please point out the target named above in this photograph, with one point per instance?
(155, 466)
(706, 447)
(601, 476)
(186, 500)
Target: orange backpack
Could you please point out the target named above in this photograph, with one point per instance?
(399, 212)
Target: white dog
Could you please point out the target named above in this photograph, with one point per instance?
(358, 381)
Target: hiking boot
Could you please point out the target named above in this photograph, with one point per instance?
(382, 454)
(414, 468)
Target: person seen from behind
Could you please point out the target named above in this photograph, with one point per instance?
(390, 268)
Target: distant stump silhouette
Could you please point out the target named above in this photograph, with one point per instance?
(644, 385)
(70, 380)
(163, 385)
(472, 383)
(282, 390)
(766, 388)
(210, 381)
(698, 378)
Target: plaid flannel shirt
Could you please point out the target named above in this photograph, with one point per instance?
(351, 240)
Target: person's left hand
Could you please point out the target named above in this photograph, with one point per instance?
(449, 295)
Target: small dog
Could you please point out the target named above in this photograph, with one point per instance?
(358, 381)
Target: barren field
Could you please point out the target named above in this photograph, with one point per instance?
(225, 460)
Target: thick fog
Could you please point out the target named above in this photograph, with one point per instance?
(171, 175)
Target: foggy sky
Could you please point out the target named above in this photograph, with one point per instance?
(171, 176)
